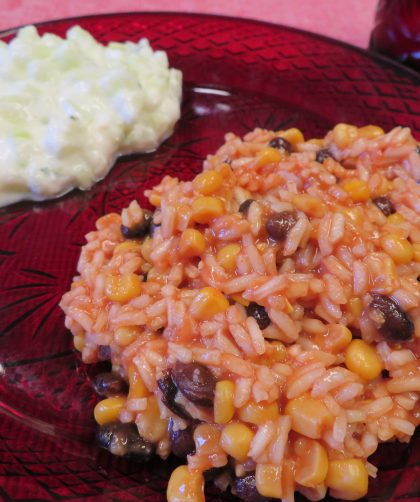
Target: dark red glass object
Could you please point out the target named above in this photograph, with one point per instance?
(237, 75)
(397, 31)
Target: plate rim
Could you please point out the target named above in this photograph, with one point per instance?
(380, 58)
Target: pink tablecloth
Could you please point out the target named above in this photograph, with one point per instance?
(347, 20)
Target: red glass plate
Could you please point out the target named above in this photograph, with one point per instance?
(238, 74)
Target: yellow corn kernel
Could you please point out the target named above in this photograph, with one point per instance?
(347, 479)
(278, 352)
(108, 410)
(240, 299)
(122, 288)
(398, 248)
(155, 199)
(309, 205)
(416, 252)
(205, 209)
(311, 463)
(396, 219)
(79, 342)
(126, 335)
(185, 485)
(293, 135)
(223, 401)
(207, 182)
(227, 255)
(236, 440)
(355, 306)
(192, 243)
(309, 416)
(137, 388)
(76, 284)
(268, 480)
(355, 214)
(257, 413)
(337, 338)
(357, 189)
(370, 132)
(344, 135)
(363, 360)
(127, 247)
(208, 303)
(151, 427)
(207, 439)
(268, 155)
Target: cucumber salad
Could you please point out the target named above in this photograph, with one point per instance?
(69, 107)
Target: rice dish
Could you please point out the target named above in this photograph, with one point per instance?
(263, 322)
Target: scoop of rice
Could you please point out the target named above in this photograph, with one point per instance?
(269, 310)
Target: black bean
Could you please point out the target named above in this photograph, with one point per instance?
(385, 205)
(169, 393)
(243, 208)
(281, 144)
(355, 332)
(182, 442)
(323, 154)
(124, 440)
(391, 322)
(418, 149)
(211, 474)
(385, 374)
(104, 352)
(196, 382)
(153, 227)
(246, 489)
(140, 230)
(167, 386)
(279, 224)
(109, 384)
(259, 313)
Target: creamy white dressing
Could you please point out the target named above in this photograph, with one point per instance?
(69, 107)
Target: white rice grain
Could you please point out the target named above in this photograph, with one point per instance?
(402, 426)
(295, 236)
(287, 326)
(242, 392)
(404, 384)
(340, 427)
(136, 405)
(264, 435)
(270, 287)
(256, 335)
(332, 379)
(242, 339)
(278, 447)
(304, 382)
(239, 284)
